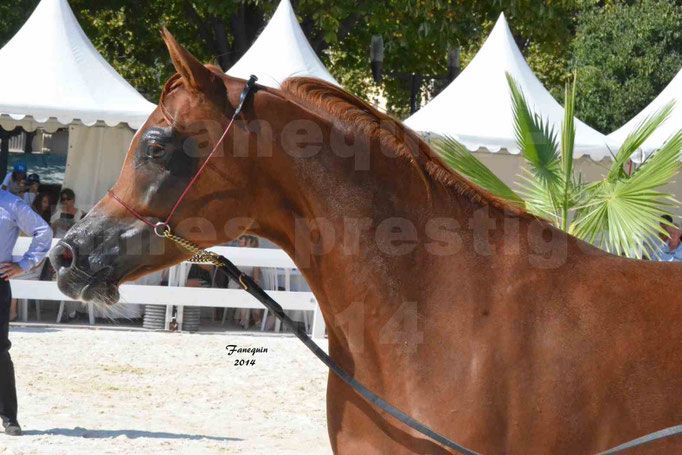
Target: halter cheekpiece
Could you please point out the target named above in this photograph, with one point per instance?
(162, 228)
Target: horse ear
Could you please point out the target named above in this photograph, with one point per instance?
(198, 78)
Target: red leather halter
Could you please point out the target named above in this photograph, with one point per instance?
(162, 227)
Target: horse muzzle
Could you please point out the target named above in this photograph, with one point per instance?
(77, 279)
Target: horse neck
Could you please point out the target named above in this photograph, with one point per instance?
(333, 219)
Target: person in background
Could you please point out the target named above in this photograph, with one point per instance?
(67, 215)
(200, 276)
(15, 216)
(670, 248)
(41, 205)
(33, 184)
(14, 182)
(43, 208)
(64, 218)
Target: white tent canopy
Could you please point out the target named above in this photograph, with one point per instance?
(51, 69)
(52, 76)
(673, 92)
(476, 108)
(281, 51)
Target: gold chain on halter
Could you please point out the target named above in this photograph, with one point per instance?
(200, 256)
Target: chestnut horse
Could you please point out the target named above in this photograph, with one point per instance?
(484, 323)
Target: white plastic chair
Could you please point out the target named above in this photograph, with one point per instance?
(91, 312)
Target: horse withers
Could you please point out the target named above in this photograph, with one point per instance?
(481, 321)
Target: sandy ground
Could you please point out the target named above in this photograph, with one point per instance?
(121, 392)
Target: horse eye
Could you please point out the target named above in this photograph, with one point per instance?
(155, 151)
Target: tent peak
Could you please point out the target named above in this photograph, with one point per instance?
(502, 31)
(501, 27)
(69, 79)
(476, 108)
(281, 51)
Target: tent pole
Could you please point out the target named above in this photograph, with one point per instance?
(28, 144)
(415, 82)
(4, 153)
(5, 136)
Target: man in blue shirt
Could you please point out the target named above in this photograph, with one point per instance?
(670, 248)
(15, 216)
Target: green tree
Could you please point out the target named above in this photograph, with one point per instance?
(13, 13)
(417, 33)
(625, 54)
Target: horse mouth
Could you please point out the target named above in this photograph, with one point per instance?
(101, 293)
(99, 289)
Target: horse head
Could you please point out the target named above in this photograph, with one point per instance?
(110, 245)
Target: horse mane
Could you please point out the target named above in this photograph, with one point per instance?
(352, 113)
(355, 114)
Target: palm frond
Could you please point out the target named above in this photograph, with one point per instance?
(536, 138)
(636, 138)
(621, 213)
(567, 145)
(661, 166)
(568, 130)
(464, 162)
(540, 200)
(623, 217)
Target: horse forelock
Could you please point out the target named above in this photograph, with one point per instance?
(357, 114)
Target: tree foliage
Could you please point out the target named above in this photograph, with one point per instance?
(625, 54)
(417, 33)
(625, 51)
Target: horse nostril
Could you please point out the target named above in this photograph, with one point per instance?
(63, 256)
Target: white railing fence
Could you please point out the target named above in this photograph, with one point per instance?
(175, 294)
(16, 143)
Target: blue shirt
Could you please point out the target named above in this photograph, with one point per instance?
(15, 216)
(667, 255)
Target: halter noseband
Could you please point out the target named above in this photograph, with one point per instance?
(162, 228)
